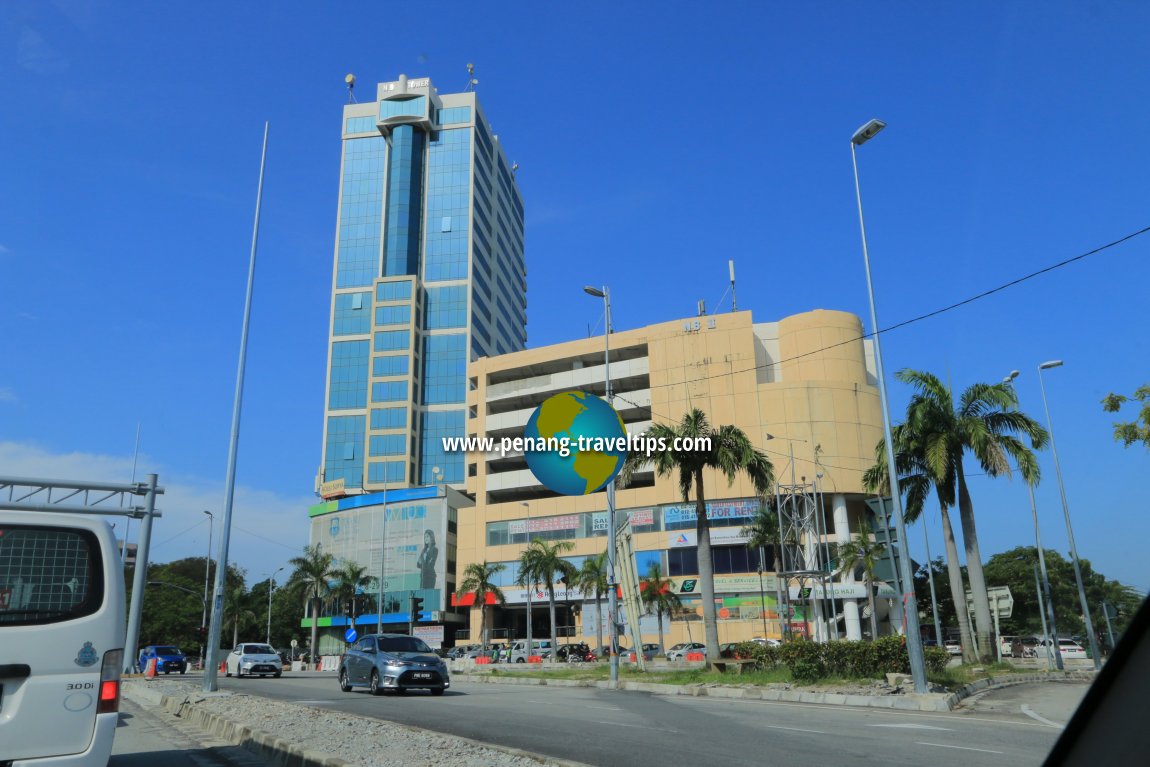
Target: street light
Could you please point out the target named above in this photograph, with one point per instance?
(271, 587)
(910, 606)
(612, 596)
(207, 578)
(1048, 615)
(1066, 514)
(530, 585)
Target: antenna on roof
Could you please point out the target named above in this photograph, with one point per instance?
(514, 168)
(350, 80)
(702, 306)
(731, 267)
(471, 81)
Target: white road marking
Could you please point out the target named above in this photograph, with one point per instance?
(909, 726)
(961, 748)
(793, 729)
(606, 708)
(640, 726)
(1026, 710)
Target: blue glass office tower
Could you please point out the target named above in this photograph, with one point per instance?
(429, 272)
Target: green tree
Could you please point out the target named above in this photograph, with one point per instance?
(592, 579)
(916, 481)
(658, 597)
(172, 611)
(238, 612)
(478, 579)
(984, 421)
(1138, 430)
(546, 563)
(863, 554)
(726, 450)
(351, 579)
(763, 534)
(311, 581)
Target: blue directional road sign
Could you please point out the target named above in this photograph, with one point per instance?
(350, 635)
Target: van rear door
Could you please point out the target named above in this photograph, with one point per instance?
(61, 612)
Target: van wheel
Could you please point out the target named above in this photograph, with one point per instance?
(519, 660)
(373, 686)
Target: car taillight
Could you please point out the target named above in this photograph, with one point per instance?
(110, 682)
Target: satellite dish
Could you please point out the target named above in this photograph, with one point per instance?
(350, 80)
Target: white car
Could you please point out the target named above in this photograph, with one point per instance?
(251, 659)
(767, 642)
(679, 651)
(1070, 649)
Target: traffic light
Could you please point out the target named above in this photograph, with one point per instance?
(349, 607)
(416, 608)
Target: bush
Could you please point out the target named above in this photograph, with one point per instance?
(937, 659)
(809, 661)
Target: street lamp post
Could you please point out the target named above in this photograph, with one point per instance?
(207, 579)
(612, 596)
(530, 584)
(1048, 616)
(910, 604)
(271, 588)
(1066, 514)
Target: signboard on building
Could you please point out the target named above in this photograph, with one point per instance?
(720, 536)
(685, 512)
(599, 522)
(334, 489)
(641, 517)
(433, 635)
(725, 584)
(548, 524)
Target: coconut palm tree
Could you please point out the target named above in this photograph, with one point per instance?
(352, 579)
(528, 579)
(865, 554)
(658, 597)
(237, 612)
(763, 534)
(725, 449)
(545, 560)
(478, 579)
(592, 579)
(916, 482)
(984, 421)
(311, 578)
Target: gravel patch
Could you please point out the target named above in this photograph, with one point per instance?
(359, 741)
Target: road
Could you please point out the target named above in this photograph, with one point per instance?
(157, 739)
(604, 727)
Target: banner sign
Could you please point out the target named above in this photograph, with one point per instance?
(432, 635)
(548, 524)
(640, 517)
(599, 522)
(719, 536)
(715, 510)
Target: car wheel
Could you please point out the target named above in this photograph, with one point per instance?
(519, 660)
(373, 686)
(344, 685)
(239, 673)
(438, 690)
(277, 674)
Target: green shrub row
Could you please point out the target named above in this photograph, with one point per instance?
(809, 661)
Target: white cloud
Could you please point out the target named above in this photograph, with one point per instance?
(35, 54)
(268, 528)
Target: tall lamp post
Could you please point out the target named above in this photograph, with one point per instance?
(207, 579)
(1048, 616)
(271, 588)
(530, 584)
(1069, 529)
(612, 596)
(910, 604)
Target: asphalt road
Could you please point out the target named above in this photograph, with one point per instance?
(156, 739)
(604, 727)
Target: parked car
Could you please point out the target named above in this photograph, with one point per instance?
(679, 651)
(169, 659)
(396, 662)
(767, 642)
(251, 659)
(727, 650)
(518, 650)
(953, 646)
(649, 653)
(1070, 649)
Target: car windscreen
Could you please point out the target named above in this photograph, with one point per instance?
(48, 575)
(258, 649)
(168, 650)
(403, 644)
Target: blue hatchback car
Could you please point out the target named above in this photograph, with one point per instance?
(169, 659)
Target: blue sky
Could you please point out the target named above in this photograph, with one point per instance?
(655, 142)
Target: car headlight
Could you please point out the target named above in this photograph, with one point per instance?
(400, 663)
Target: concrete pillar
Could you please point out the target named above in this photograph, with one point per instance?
(843, 535)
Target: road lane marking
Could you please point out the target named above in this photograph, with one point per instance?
(909, 726)
(793, 729)
(961, 748)
(1034, 715)
(606, 708)
(640, 726)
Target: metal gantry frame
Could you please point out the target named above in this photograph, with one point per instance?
(63, 496)
(803, 557)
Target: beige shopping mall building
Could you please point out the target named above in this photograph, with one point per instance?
(803, 386)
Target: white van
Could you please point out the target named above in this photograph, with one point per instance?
(61, 639)
(519, 652)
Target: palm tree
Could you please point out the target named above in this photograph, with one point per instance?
(658, 597)
(984, 421)
(915, 482)
(477, 579)
(312, 576)
(528, 579)
(545, 561)
(592, 579)
(863, 553)
(352, 579)
(763, 533)
(236, 611)
(729, 451)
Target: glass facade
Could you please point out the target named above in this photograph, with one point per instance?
(344, 449)
(393, 315)
(444, 369)
(448, 202)
(413, 107)
(359, 125)
(453, 115)
(436, 426)
(394, 365)
(404, 201)
(352, 314)
(360, 211)
(388, 418)
(447, 307)
(347, 383)
(393, 291)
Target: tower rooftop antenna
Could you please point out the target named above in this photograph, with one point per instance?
(471, 80)
(350, 80)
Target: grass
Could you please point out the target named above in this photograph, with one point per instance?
(957, 676)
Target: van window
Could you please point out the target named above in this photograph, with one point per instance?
(48, 575)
